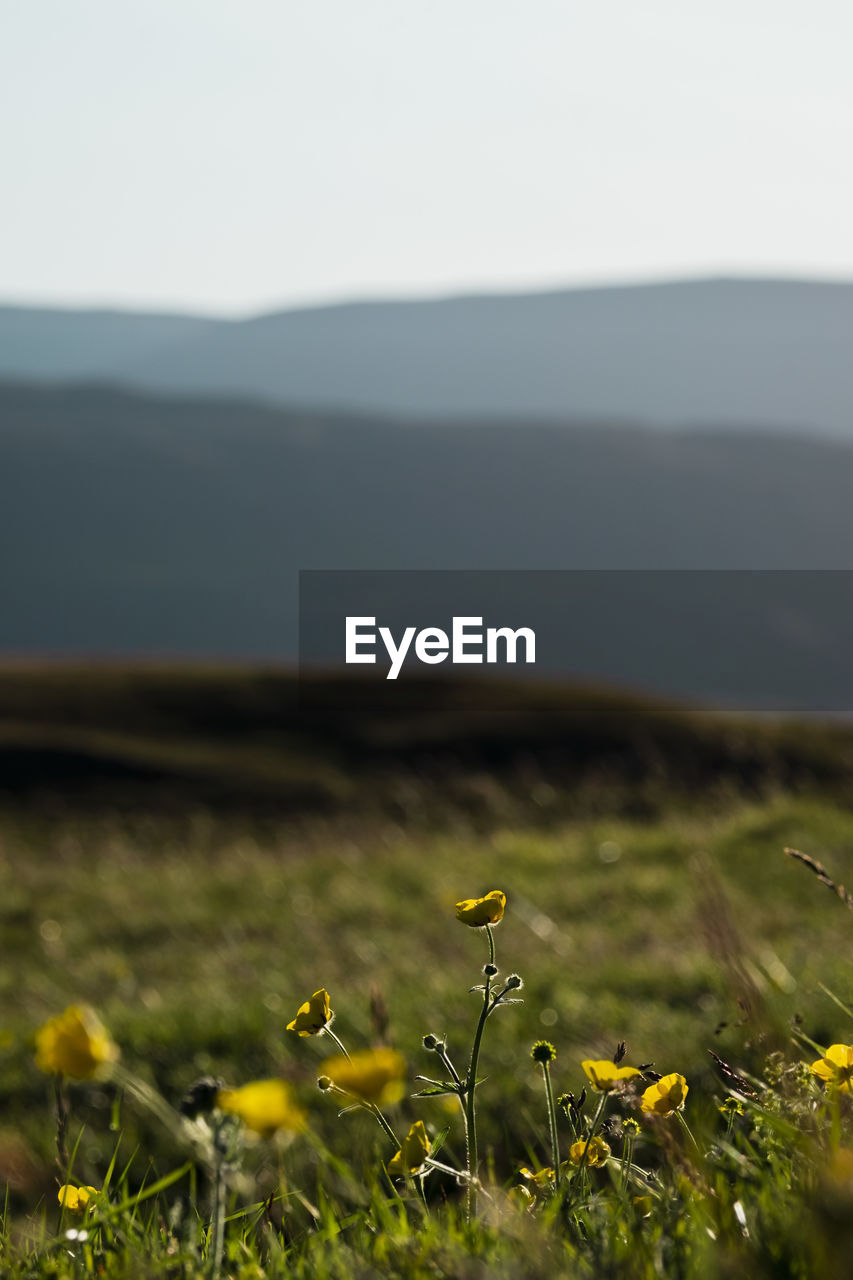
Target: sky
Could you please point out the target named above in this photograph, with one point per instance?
(230, 156)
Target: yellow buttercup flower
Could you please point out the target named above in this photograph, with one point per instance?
(374, 1075)
(313, 1015)
(666, 1096)
(76, 1198)
(520, 1196)
(74, 1043)
(478, 912)
(596, 1150)
(605, 1076)
(540, 1183)
(835, 1067)
(264, 1106)
(413, 1152)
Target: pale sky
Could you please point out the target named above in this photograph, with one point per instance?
(236, 155)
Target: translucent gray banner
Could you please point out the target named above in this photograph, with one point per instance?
(729, 639)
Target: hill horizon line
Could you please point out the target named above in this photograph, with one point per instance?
(318, 414)
(405, 299)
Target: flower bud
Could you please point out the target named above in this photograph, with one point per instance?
(324, 1083)
(430, 1042)
(490, 970)
(543, 1052)
(514, 982)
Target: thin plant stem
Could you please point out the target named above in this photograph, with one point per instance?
(446, 1168)
(327, 1030)
(444, 1056)
(627, 1161)
(686, 1127)
(374, 1110)
(552, 1122)
(445, 1059)
(471, 1085)
(218, 1227)
(62, 1113)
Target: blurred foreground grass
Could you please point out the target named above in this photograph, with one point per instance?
(669, 919)
(196, 943)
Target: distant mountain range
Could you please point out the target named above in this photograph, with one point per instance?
(705, 355)
(132, 523)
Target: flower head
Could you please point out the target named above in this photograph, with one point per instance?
(413, 1152)
(264, 1106)
(76, 1198)
(666, 1096)
(730, 1107)
(596, 1150)
(313, 1015)
(540, 1183)
(478, 912)
(74, 1043)
(374, 1075)
(543, 1052)
(605, 1076)
(835, 1067)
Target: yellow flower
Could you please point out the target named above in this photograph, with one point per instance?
(478, 912)
(263, 1106)
(836, 1067)
(666, 1096)
(414, 1151)
(596, 1150)
(519, 1196)
(76, 1198)
(541, 1183)
(375, 1075)
(74, 1043)
(313, 1015)
(605, 1076)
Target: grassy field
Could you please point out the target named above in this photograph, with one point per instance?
(649, 901)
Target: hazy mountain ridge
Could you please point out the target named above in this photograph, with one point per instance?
(55, 343)
(769, 354)
(133, 523)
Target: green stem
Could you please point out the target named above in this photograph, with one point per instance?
(329, 1032)
(460, 1094)
(374, 1110)
(444, 1057)
(218, 1227)
(471, 1086)
(62, 1113)
(552, 1122)
(686, 1127)
(627, 1161)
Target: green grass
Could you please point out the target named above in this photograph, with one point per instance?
(196, 941)
(674, 924)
